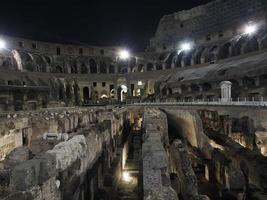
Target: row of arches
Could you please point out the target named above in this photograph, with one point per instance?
(208, 54)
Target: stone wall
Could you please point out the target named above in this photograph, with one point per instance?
(156, 180)
(212, 19)
(73, 169)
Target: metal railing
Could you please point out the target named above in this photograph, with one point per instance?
(209, 102)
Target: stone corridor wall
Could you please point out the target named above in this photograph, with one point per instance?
(66, 169)
(156, 180)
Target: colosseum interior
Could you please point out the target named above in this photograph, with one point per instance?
(185, 119)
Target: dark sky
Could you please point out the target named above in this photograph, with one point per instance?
(103, 23)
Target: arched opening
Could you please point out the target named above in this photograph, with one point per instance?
(235, 91)
(263, 80)
(85, 94)
(188, 57)
(163, 56)
(224, 51)
(194, 87)
(111, 69)
(238, 47)
(59, 69)
(149, 67)
(178, 62)
(211, 56)
(68, 91)
(206, 86)
(74, 69)
(252, 45)
(10, 82)
(169, 60)
(103, 68)
(61, 92)
(124, 70)
(18, 100)
(84, 69)
(76, 93)
(184, 88)
(140, 68)
(93, 66)
(198, 55)
(158, 66)
(248, 82)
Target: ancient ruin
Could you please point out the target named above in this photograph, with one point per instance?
(184, 120)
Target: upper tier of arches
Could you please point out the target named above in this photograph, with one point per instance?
(204, 54)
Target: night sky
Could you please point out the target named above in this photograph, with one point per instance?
(102, 23)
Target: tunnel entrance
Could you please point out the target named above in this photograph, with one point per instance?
(129, 186)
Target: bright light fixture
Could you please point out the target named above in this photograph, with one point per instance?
(186, 46)
(250, 29)
(126, 176)
(2, 44)
(139, 83)
(124, 54)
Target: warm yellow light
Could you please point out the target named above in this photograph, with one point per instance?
(126, 176)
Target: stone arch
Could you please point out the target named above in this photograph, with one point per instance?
(237, 46)
(248, 82)
(159, 66)
(163, 56)
(179, 57)
(124, 70)
(225, 51)
(211, 54)
(206, 86)
(41, 64)
(251, 45)
(111, 69)
(263, 79)
(149, 67)
(263, 42)
(86, 94)
(169, 60)
(84, 69)
(68, 91)
(103, 67)
(93, 66)
(194, 87)
(188, 57)
(59, 69)
(132, 63)
(184, 88)
(197, 55)
(10, 82)
(61, 90)
(140, 68)
(74, 69)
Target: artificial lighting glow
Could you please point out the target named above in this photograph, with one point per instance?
(139, 83)
(124, 88)
(104, 96)
(250, 29)
(126, 176)
(124, 54)
(2, 44)
(186, 46)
